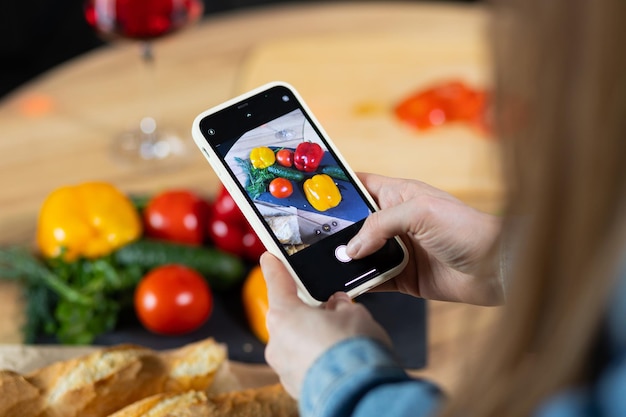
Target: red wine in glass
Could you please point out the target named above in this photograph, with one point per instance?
(144, 20)
(141, 19)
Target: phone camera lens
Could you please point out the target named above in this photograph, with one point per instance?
(285, 98)
(248, 114)
(211, 132)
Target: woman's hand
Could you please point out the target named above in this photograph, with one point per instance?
(300, 333)
(447, 241)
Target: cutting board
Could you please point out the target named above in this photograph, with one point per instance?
(353, 81)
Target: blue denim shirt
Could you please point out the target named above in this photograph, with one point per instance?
(360, 377)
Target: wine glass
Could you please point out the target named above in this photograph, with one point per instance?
(144, 20)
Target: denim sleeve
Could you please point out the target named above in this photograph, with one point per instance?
(359, 377)
(606, 398)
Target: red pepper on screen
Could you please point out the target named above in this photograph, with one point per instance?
(308, 156)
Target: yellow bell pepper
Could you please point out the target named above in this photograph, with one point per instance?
(90, 220)
(322, 192)
(262, 157)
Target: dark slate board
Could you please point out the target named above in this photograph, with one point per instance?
(351, 207)
(404, 317)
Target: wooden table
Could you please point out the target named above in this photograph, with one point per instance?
(352, 60)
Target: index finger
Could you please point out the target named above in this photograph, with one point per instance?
(281, 288)
(372, 182)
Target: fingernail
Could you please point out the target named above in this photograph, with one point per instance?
(263, 258)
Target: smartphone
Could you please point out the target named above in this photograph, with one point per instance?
(295, 189)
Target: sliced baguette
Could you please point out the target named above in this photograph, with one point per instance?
(193, 367)
(267, 401)
(18, 397)
(109, 379)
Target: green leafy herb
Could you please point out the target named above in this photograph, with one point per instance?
(140, 201)
(258, 179)
(76, 301)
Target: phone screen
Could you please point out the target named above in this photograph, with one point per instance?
(314, 208)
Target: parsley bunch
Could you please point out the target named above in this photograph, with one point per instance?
(75, 301)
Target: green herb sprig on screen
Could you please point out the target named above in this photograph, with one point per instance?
(258, 179)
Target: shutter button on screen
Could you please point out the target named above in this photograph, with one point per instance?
(341, 255)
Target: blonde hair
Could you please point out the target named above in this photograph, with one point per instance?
(561, 115)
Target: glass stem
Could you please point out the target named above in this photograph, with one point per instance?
(147, 53)
(148, 124)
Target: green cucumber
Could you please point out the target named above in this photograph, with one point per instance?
(284, 172)
(221, 270)
(335, 172)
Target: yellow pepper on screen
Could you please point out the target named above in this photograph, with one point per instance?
(90, 220)
(262, 157)
(322, 192)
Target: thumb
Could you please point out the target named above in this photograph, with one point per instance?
(376, 230)
(281, 287)
(338, 301)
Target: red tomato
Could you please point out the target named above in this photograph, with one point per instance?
(285, 157)
(173, 299)
(280, 188)
(176, 215)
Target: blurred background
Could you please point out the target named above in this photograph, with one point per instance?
(37, 35)
(67, 97)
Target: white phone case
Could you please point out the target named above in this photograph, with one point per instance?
(255, 221)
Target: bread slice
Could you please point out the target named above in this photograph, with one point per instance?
(166, 404)
(109, 379)
(270, 401)
(193, 367)
(18, 397)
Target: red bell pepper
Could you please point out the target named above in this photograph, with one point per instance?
(308, 156)
(229, 230)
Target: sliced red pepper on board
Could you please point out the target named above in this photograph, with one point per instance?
(452, 101)
(308, 156)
